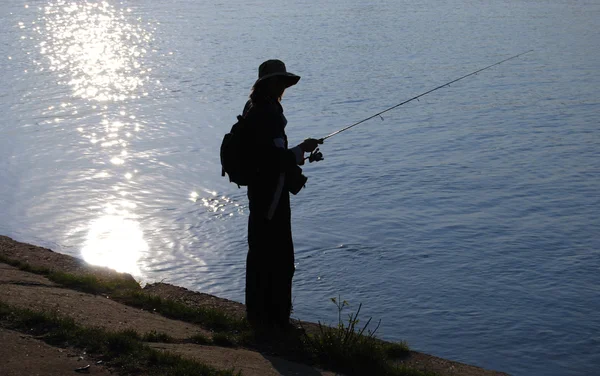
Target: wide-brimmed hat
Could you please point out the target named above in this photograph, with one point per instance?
(276, 68)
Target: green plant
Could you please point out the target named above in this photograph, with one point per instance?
(210, 318)
(396, 350)
(223, 340)
(354, 349)
(200, 339)
(155, 336)
(83, 282)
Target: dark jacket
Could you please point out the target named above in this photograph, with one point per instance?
(271, 156)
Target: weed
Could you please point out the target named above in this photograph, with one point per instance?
(24, 266)
(396, 350)
(200, 339)
(207, 317)
(82, 282)
(224, 340)
(354, 351)
(155, 336)
(91, 284)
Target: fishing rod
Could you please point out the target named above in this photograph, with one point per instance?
(420, 95)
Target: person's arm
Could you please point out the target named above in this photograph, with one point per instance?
(270, 144)
(287, 158)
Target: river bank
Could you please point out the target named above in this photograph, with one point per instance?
(37, 280)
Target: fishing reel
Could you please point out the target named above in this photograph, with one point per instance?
(315, 156)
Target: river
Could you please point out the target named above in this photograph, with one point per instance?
(466, 221)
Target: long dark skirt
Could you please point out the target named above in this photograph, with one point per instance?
(270, 266)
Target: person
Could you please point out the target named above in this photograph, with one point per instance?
(270, 259)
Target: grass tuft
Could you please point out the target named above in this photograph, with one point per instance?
(24, 266)
(223, 340)
(210, 318)
(155, 336)
(83, 282)
(200, 339)
(91, 284)
(396, 350)
(352, 350)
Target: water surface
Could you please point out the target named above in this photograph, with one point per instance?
(467, 221)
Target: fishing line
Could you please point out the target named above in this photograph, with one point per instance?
(420, 95)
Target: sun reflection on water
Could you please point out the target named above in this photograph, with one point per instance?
(95, 49)
(218, 206)
(115, 240)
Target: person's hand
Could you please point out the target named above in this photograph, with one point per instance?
(310, 144)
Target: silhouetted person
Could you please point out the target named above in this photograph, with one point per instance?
(270, 261)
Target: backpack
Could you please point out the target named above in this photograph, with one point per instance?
(236, 153)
